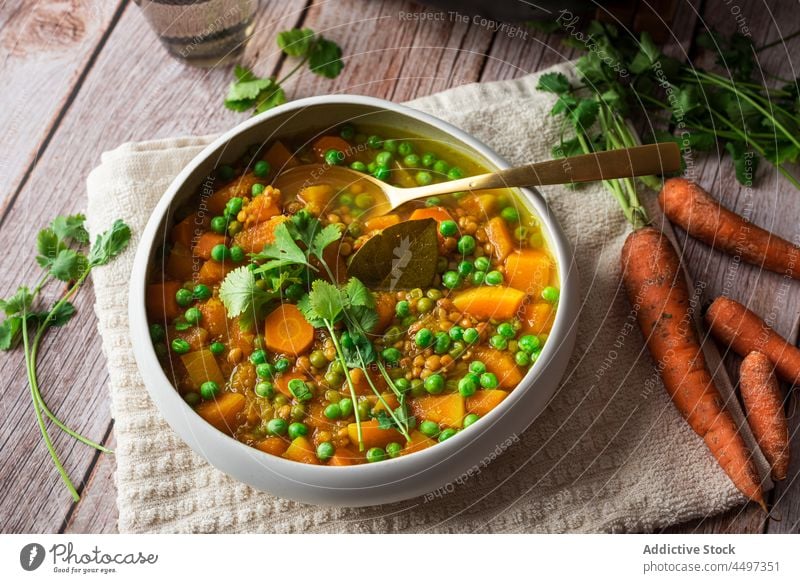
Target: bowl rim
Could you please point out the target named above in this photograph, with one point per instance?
(196, 430)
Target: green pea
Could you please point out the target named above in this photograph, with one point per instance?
(506, 330)
(336, 366)
(393, 449)
(374, 142)
(550, 294)
(412, 161)
(429, 428)
(325, 451)
(417, 388)
(448, 228)
(470, 419)
(346, 407)
(280, 400)
(375, 454)
(225, 172)
(192, 398)
(447, 434)
(467, 386)
(258, 357)
(277, 426)
(535, 240)
(434, 294)
(434, 384)
(364, 200)
(408, 320)
(423, 178)
(423, 338)
(219, 224)
(405, 148)
(457, 350)
(520, 233)
(318, 359)
(456, 333)
(464, 268)
(384, 158)
(477, 367)
(482, 263)
(451, 279)
(237, 254)
(256, 190)
(295, 291)
(265, 370)
(297, 430)
(347, 132)
(498, 342)
(455, 173)
(494, 278)
(209, 390)
(332, 411)
(282, 364)
(219, 252)
(510, 214)
(529, 343)
(466, 244)
(391, 355)
(477, 277)
(234, 227)
(402, 384)
(441, 167)
(184, 297)
(201, 292)
(157, 332)
(393, 334)
(415, 293)
(261, 168)
(217, 348)
(402, 308)
(332, 396)
(364, 409)
(488, 380)
(522, 358)
(390, 145)
(425, 305)
(433, 201)
(180, 346)
(265, 389)
(428, 159)
(358, 166)
(334, 157)
(442, 343)
(471, 335)
(233, 206)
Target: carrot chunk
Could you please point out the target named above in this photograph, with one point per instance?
(202, 366)
(252, 240)
(502, 365)
(419, 441)
(538, 317)
(286, 331)
(446, 410)
(215, 319)
(438, 213)
(279, 157)
(206, 242)
(160, 300)
(223, 412)
(373, 435)
(500, 303)
(240, 187)
(301, 450)
(380, 223)
(273, 445)
(326, 143)
(482, 402)
(499, 238)
(528, 270)
(181, 264)
(214, 271)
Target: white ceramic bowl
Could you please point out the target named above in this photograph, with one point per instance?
(367, 484)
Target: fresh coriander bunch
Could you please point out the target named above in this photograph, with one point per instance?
(63, 257)
(322, 56)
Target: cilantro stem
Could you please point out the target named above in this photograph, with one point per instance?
(340, 356)
(400, 426)
(32, 383)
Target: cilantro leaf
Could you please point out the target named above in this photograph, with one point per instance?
(358, 294)
(270, 97)
(61, 314)
(584, 114)
(283, 251)
(68, 265)
(647, 56)
(326, 300)
(311, 316)
(49, 245)
(243, 298)
(109, 244)
(322, 239)
(553, 83)
(326, 58)
(71, 227)
(243, 73)
(10, 330)
(296, 42)
(19, 303)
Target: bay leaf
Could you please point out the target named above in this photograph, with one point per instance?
(402, 256)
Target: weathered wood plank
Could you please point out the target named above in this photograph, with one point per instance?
(133, 92)
(770, 203)
(46, 47)
(97, 510)
(391, 53)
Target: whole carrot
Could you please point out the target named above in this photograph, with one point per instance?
(657, 289)
(762, 401)
(686, 204)
(741, 329)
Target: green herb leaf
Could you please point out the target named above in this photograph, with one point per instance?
(311, 316)
(49, 245)
(553, 83)
(243, 298)
(326, 58)
(296, 42)
(326, 300)
(71, 227)
(585, 114)
(299, 389)
(19, 303)
(358, 294)
(68, 265)
(109, 244)
(61, 314)
(647, 56)
(322, 239)
(271, 97)
(283, 251)
(10, 330)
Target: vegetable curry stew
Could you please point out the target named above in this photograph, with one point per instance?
(292, 317)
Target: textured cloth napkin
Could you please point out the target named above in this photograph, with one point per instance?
(610, 452)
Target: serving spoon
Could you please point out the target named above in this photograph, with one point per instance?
(658, 158)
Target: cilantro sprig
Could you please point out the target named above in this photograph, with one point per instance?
(61, 249)
(322, 56)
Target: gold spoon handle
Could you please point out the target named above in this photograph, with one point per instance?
(660, 158)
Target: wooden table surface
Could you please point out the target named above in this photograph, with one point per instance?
(80, 77)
